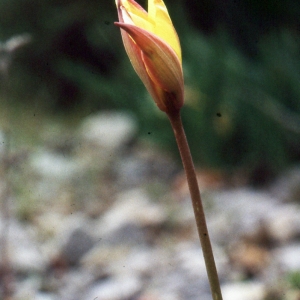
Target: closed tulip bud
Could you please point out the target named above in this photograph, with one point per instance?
(153, 47)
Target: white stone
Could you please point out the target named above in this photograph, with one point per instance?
(244, 209)
(56, 228)
(288, 257)
(190, 257)
(284, 222)
(44, 296)
(108, 129)
(26, 289)
(105, 259)
(74, 285)
(134, 207)
(23, 248)
(115, 289)
(139, 261)
(243, 291)
(49, 223)
(53, 166)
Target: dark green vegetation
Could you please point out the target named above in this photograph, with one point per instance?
(241, 62)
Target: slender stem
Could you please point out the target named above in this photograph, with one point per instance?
(188, 164)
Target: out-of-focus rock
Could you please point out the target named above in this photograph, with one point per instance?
(288, 257)
(287, 186)
(131, 207)
(27, 288)
(242, 211)
(73, 239)
(283, 222)
(53, 166)
(101, 136)
(104, 260)
(243, 290)
(108, 130)
(190, 258)
(116, 288)
(66, 238)
(23, 248)
(143, 165)
(79, 242)
(44, 296)
(140, 261)
(74, 285)
(250, 259)
(128, 234)
(49, 224)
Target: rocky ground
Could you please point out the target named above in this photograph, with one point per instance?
(95, 215)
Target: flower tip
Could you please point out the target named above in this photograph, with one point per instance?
(155, 57)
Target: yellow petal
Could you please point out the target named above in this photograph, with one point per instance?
(138, 15)
(158, 13)
(157, 21)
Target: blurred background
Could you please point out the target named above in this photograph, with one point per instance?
(241, 64)
(81, 127)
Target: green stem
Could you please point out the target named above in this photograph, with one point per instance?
(188, 164)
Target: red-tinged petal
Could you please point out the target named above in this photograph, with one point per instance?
(161, 63)
(135, 55)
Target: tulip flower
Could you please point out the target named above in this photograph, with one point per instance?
(153, 47)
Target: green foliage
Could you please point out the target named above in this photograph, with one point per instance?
(239, 112)
(247, 111)
(293, 279)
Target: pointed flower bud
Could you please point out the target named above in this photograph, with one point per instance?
(153, 47)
